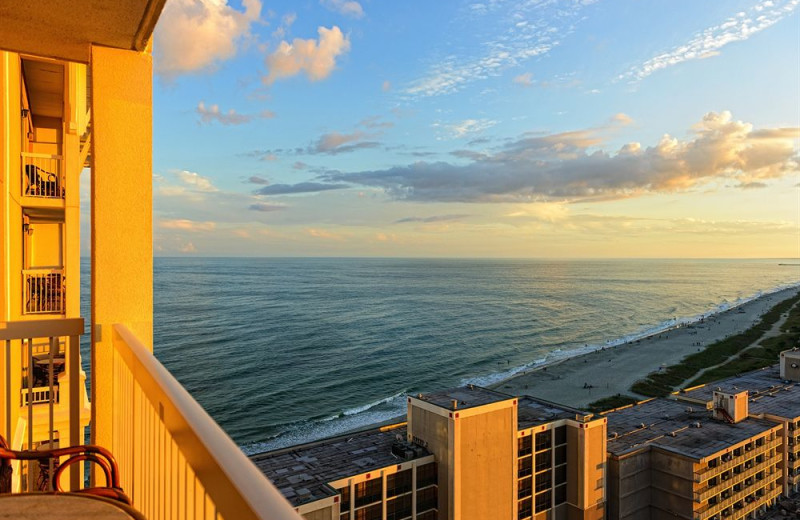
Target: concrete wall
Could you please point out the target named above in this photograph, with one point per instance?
(788, 358)
(629, 486)
(586, 468)
(486, 451)
(433, 431)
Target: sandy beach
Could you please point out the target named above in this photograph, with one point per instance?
(581, 380)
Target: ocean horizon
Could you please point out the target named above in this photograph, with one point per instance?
(282, 351)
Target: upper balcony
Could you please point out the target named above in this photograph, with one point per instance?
(43, 179)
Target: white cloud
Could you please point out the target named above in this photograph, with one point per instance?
(707, 43)
(526, 80)
(570, 166)
(231, 117)
(194, 35)
(187, 225)
(465, 128)
(317, 59)
(188, 248)
(195, 181)
(386, 86)
(510, 33)
(349, 8)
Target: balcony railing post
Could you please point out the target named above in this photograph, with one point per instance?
(29, 427)
(75, 437)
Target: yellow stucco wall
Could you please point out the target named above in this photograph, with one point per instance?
(122, 255)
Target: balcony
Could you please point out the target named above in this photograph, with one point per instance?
(44, 291)
(174, 460)
(42, 176)
(707, 473)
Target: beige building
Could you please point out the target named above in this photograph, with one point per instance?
(465, 453)
(773, 393)
(667, 459)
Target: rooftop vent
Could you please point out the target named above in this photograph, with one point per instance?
(454, 403)
(697, 425)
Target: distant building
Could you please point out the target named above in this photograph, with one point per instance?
(722, 451)
(773, 394)
(466, 452)
(670, 460)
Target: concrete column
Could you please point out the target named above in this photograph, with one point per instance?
(122, 228)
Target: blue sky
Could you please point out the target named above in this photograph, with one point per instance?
(496, 128)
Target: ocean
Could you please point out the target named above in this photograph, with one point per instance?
(281, 351)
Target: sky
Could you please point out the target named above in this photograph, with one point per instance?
(519, 128)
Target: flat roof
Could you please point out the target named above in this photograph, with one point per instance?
(301, 473)
(653, 423)
(468, 396)
(532, 411)
(768, 393)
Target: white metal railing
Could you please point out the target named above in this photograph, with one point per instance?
(38, 395)
(44, 291)
(23, 335)
(175, 461)
(42, 176)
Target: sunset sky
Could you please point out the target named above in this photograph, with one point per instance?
(537, 128)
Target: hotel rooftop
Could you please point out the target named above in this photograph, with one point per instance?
(676, 427)
(768, 393)
(302, 473)
(534, 412)
(463, 397)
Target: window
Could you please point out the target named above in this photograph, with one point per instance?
(561, 455)
(369, 492)
(524, 488)
(542, 460)
(398, 483)
(524, 446)
(430, 515)
(345, 516)
(561, 435)
(544, 481)
(543, 440)
(524, 508)
(561, 494)
(543, 501)
(398, 508)
(374, 512)
(345, 491)
(561, 475)
(426, 475)
(524, 467)
(427, 499)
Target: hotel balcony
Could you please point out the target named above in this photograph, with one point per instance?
(42, 178)
(44, 291)
(174, 461)
(77, 107)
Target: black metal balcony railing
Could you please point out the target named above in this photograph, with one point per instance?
(44, 291)
(42, 176)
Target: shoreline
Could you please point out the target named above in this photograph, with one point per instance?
(615, 366)
(581, 379)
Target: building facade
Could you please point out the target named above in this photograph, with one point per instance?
(464, 453)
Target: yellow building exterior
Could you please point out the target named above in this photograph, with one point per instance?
(45, 141)
(76, 107)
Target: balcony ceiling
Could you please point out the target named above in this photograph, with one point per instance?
(65, 29)
(45, 83)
